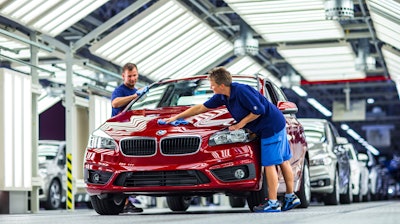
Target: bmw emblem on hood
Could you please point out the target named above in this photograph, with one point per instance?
(161, 132)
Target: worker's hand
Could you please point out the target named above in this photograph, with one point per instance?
(169, 120)
(235, 127)
(142, 90)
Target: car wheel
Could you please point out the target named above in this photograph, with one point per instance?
(347, 197)
(257, 197)
(357, 197)
(89, 205)
(334, 197)
(178, 203)
(110, 205)
(237, 202)
(305, 190)
(367, 197)
(53, 196)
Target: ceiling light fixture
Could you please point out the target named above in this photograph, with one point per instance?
(319, 107)
(339, 9)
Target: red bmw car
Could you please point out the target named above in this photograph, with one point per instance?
(134, 153)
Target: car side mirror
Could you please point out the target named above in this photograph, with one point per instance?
(341, 140)
(287, 107)
(61, 160)
(362, 157)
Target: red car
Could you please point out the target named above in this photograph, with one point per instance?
(133, 153)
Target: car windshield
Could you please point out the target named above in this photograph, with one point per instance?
(47, 152)
(180, 93)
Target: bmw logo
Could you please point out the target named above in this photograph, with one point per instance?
(161, 132)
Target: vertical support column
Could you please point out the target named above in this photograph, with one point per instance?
(69, 120)
(35, 125)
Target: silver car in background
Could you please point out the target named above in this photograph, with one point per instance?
(355, 172)
(365, 188)
(329, 162)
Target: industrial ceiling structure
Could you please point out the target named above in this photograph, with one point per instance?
(341, 56)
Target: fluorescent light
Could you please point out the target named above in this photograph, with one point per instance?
(370, 100)
(360, 140)
(299, 91)
(298, 27)
(286, 18)
(388, 7)
(345, 127)
(273, 6)
(385, 15)
(314, 61)
(246, 65)
(218, 52)
(326, 65)
(50, 17)
(392, 58)
(319, 107)
(165, 40)
(300, 20)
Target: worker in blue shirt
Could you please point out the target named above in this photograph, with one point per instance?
(126, 92)
(253, 111)
(121, 96)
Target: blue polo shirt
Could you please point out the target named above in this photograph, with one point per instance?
(121, 91)
(245, 99)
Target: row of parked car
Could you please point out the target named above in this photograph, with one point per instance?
(338, 173)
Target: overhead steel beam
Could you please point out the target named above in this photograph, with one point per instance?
(27, 41)
(352, 85)
(27, 63)
(340, 96)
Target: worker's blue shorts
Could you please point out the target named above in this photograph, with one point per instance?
(275, 149)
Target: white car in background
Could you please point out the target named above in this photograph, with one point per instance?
(365, 188)
(52, 170)
(355, 172)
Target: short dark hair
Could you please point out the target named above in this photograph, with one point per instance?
(129, 66)
(220, 76)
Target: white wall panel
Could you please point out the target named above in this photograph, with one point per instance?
(15, 131)
(99, 111)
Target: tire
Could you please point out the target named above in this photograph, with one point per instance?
(367, 197)
(347, 197)
(358, 197)
(237, 202)
(111, 205)
(334, 197)
(178, 203)
(89, 204)
(54, 196)
(304, 193)
(257, 197)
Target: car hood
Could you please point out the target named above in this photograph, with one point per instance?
(145, 123)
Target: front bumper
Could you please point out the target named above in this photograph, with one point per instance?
(322, 179)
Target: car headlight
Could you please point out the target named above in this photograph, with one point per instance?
(100, 140)
(228, 137)
(42, 172)
(320, 160)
